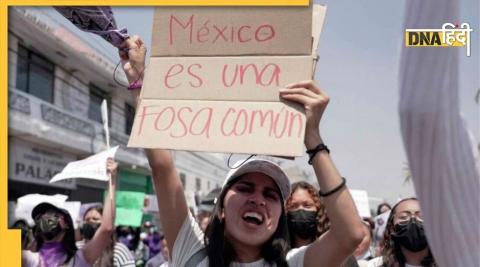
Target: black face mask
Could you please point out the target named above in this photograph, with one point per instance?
(89, 229)
(410, 235)
(48, 226)
(302, 223)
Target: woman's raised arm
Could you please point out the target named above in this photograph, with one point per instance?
(95, 247)
(172, 204)
(346, 232)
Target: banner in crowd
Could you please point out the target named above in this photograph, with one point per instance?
(360, 197)
(213, 79)
(129, 208)
(93, 167)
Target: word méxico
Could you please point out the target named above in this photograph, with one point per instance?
(207, 31)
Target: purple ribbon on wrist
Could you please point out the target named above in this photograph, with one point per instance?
(135, 85)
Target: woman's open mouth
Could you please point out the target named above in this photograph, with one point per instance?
(253, 218)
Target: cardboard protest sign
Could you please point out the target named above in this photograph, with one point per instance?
(360, 197)
(242, 127)
(222, 95)
(223, 78)
(380, 225)
(318, 19)
(129, 206)
(93, 167)
(130, 199)
(128, 217)
(150, 204)
(202, 31)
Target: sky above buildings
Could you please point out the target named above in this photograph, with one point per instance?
(358, 67)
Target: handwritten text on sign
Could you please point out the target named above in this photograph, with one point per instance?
(231, 31)
(220, 78)
(242, 127)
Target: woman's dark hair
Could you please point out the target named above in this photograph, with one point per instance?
(219, 250)
(98, 208)
(106, 260)
(391, 252)
(323, 223)
(381, 205)
(68, 240)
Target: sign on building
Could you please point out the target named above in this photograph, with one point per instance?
(32, 163)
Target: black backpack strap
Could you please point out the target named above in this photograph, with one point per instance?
(196, 258)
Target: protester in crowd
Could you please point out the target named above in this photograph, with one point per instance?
(146, 226)
(383, 207)
(440, 153)
(141, 251)
(307, 218)
(116, 254)
(306, 215)
(248, 225)
(127, 236)
(153, 241)
(404, 242)
(55, 237)
(205, 208)
(165, 253)
(161, 259)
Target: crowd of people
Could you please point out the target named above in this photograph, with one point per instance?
(257, 218)
(53, 241)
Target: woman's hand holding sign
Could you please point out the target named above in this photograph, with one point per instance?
(132, 52)
(314, 100)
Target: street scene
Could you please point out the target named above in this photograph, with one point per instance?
(245, 136)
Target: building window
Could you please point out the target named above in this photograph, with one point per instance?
(129, 116)
(198, 184)
(35, 74)
(183, 179)
(95, 109)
